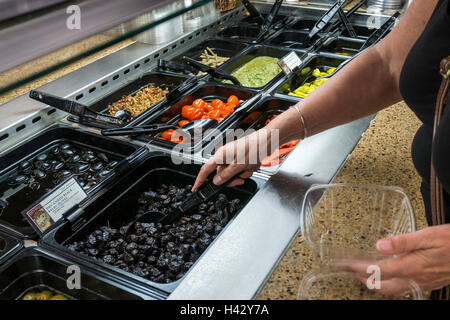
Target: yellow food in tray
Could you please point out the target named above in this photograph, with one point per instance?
(43, 295)
(304, 90)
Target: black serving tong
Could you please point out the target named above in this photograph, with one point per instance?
(189, 128)
(176, 66)
(204, 193)
(269, 20)
(83, 112)
(254, 13)
(214, 72)
(338, 24)
(378, 34)
(322, 23)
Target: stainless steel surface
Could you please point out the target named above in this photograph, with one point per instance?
(13, 8)
(384, 4)
(243, 257)
(49, 32)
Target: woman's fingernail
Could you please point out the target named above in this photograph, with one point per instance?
(217, 180)
(385, 245)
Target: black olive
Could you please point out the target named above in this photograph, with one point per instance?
(132, 238)
(162, 263)
(106, 236)
(93, 252)
(171, 247)
(151, 260)
(109, 259)
(154, 272)
(66, 146)
(42, 157)
(67, 153)
(92, 241)
(25, 167)
(102, 157)
(131, 246)
(217, 229)
(113, 252)
(38, 174)
(123, 230)
(81, 168)
(112, 164)
(97, 233)
(97, 166)
(128, 258)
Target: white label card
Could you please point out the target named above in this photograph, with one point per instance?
(289, 62)
(51, 209)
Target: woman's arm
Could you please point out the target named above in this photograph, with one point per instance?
(366, 85)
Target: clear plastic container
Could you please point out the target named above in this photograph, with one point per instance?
(344, 221)
(341, 286)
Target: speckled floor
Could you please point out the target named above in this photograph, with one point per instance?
(381, 157)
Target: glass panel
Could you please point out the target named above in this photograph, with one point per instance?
(151, 27)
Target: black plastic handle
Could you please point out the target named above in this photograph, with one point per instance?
(348, 14)
(74, 108)
(66, 105)
(253, 11)
(216, 73)
(246, 106)
(269, 20)
(325, 19)
(205, 192)
(132, 131)
(177, 67)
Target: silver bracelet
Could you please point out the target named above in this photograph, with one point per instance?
(303, 120)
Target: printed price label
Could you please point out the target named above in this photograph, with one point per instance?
(289, 62)
(51, 209)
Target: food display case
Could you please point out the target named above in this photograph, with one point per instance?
(206, 254)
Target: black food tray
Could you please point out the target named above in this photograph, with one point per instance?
(11, 219)
(342, 46)
(120, 204)
(323, 61)
(290, 39)
(8, 247)
(254, 52)
(156, 78)
(222, 48)
(38, 269)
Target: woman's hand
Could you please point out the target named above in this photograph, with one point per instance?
(241, 156)
(424, 258)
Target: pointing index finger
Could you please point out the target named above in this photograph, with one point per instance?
(205, 171)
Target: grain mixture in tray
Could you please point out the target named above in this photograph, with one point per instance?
(144, 99)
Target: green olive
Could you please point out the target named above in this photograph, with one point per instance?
(30, 296)
(45, 295)
(58, 297)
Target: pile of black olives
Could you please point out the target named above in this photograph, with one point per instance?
(161, 253)
(60, 162)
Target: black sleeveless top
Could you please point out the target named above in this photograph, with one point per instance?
(419, 85)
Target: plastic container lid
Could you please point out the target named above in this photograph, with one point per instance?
(344, 221)
(341, 286)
